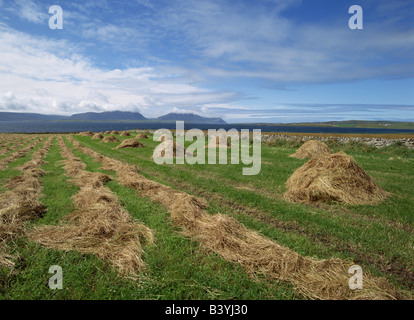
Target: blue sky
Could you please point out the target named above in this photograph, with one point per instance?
(245, 61)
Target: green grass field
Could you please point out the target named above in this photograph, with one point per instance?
(379, 238)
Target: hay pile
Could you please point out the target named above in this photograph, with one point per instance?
(141, 136)
(334, 177)
(125, 134)
(219, 142)
(130, 143)
(316, 279)
(97, 136)
(87, 134)
(312, 149)
(168, 149)
(20, 202)
(110, 139)
(114, 132)
(99, 225)
(107, 132)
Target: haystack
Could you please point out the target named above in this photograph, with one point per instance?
(215, 142)
(114, 132)
(110, 139)
(86, 134)
(162, 150)
(141, 136)
(312, 149)
(334, 177)
(107, 132)
(125, 134)
(97, 136)
(130, 143)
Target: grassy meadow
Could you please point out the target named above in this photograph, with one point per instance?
(379, 238)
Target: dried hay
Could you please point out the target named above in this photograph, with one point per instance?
(20, 202)
(125, 134)
(110, 139)
(99, 225)
(4, 162)
(315, 279)
(130, 143)
(87, 134)
(97, 136)
(114, 132)
(334, 177)
(312, 149)
(141, 136)
(107, 132)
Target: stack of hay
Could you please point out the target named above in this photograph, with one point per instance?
(114, 132)
(331, 177)
(110, 139)
(130, 143)
(142, 136)
(125, 134)
(107, 132)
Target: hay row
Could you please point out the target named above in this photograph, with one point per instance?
(99, 225)
(20, 202)
(18, 154)
(315, 279)
(11, 144)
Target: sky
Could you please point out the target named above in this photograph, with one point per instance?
(244, 61)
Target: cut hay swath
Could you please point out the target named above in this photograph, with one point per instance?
(335, 177)
(110, 139)
(20, 202)
(4, 162)
(141, 136)
(99, 225)
(87, 134)
(312, 149)
(130, 143)
(315, 279)
(12, 144)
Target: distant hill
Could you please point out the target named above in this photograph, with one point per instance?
(108, 116)
(15, 116)
(190, 117)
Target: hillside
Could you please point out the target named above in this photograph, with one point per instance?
(15, 116)
(108, 116)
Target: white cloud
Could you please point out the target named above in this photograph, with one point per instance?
(30, 11)
(41, 75)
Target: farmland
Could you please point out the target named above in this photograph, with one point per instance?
(193, 231)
